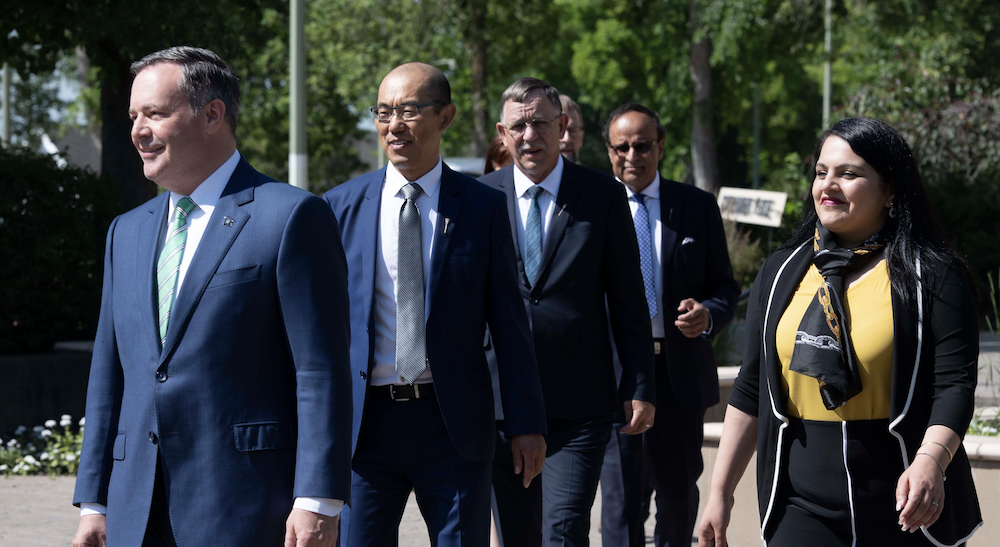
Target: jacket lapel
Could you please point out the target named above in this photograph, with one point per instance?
(149, 237)
(670, 222)
(507, 185)
(449, 205)
(569, 191)
(214, 245)
(785, 283)
(369, 216)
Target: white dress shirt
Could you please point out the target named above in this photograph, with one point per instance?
(206, 197)
(546, 200)
(384, 370)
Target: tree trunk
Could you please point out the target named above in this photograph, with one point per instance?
(476, 40)
(703, 157)
(119, 160)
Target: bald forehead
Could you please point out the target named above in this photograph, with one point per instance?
(416, 79)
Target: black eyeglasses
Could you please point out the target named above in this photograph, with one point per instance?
(407, 111)
(641, 148)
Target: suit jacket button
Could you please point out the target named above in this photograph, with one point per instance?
(152, 437)
(161, 376)
(534, 301)
(363, 375)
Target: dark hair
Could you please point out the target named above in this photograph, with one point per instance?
(519, 90)
(496, 152)
(625, 109)
(205, 77)
(569, 106)
(914, 227)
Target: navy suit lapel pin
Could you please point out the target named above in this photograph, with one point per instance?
(226, 221)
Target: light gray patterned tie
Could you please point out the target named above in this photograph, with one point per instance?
(533, 236)
(169, 265)
(411, 349)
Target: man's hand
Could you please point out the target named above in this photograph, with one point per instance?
(695, 318)
(529, 455)
(639, 415)
(90, 532)
(307, 529)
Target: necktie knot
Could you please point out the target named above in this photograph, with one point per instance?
(534, 191)
(411, 191)
(640, 199)
(184, 207)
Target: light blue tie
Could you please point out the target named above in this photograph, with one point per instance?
(641, 221)
(533, 237)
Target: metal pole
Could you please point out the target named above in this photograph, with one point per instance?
(756, 137)
(827, 55)
(298, 159)
(6, 106)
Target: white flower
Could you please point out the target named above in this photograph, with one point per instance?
(46, 433)
(49, 424)
(13, 443)
(44, 456)
(37, 429)
(66, 417)
(3, 467)
(30, 460)
(65, 423)
(18, 468)
(20, 430)
(82, 420)
(70, 457)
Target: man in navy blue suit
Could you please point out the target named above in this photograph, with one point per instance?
(430, 263)
(218, 408)
(578, 268)
(691, 296)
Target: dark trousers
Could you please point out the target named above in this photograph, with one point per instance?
(667, 459)
(555, 509)
(838, 487)
(404, 447)
(158, 532)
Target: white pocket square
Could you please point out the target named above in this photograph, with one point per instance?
(687, 240)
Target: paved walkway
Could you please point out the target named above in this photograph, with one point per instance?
(36, 512)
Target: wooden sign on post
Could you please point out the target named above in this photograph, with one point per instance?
(760, 207)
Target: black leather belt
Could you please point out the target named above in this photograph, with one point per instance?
(658, 346)
(403, 392)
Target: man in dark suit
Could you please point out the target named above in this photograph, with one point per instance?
(218, 409)
(691, 296)
(576, 250)
(431, 263)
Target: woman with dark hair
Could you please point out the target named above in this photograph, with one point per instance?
(497, 156)
(860, 365)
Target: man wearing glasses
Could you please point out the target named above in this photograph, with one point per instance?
(691, 296)
(576, 250)
(430, 263)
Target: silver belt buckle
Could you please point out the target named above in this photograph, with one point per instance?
(657, 347)
(392, 394)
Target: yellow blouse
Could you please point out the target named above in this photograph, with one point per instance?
(871, 332)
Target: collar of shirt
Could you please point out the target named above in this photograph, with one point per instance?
(207, 194)
(429, 183)
(651, 191)
(550, 183)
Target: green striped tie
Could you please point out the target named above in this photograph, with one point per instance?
(169, 265)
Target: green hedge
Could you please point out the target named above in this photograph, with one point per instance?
(53, 223)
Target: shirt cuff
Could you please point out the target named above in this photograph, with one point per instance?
(324, 506)
(711, 324)
(92, 509)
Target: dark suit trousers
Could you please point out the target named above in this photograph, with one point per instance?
(158, 532)
(555, 509)
(404, 447)
(670, 461)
